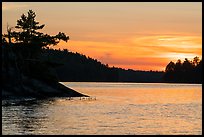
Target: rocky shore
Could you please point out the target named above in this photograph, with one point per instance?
(33, 88)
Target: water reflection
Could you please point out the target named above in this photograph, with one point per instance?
(135, 109)
(28, 117)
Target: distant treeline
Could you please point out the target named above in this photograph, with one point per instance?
(184, 72)
(78, 67)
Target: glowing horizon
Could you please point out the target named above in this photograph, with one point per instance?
(139, 36)
(161, 54)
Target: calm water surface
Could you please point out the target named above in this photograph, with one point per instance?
(119, 108)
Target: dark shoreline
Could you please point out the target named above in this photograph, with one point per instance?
(37, 89)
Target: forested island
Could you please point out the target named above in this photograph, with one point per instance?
(31, 68)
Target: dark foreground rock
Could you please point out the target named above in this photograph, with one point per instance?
(33, 88)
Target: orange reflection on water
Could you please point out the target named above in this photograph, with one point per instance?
(147, 93)
(128, 108)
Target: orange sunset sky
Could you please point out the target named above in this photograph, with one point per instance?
(135, 35)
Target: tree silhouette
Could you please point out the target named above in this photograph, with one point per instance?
(30, 38)
(187, 65)
(27, 42)
(170, 67)
(188, 71)
(196, 61)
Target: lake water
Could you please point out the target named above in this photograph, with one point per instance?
(119, 109)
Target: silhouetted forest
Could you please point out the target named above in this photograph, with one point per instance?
(78, 67)
(184, 72)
